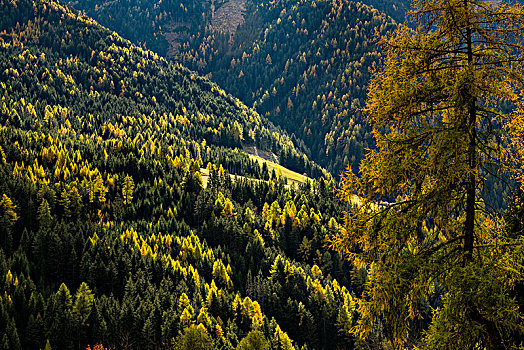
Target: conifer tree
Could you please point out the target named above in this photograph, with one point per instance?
(194, 338)
(83, 304)
(422, 227)
(7, 220)
(8, 210)
(127, 189)
(254, 340)
(44, 214)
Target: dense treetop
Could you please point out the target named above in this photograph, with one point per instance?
(110, 235)
(107, 232)
(306, 69)
(304, 65)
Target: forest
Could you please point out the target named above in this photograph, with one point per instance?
(144, 202)
(312, 86)
(111, 238)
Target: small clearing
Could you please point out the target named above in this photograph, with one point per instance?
(228, 16)
(292, 176)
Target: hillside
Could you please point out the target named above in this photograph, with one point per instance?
(437, 262)
(304, 65)
(140, 84)
(107, 234)
(396, 9)
(150, 23)
(306, 70)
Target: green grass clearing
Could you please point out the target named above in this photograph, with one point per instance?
(292, 176)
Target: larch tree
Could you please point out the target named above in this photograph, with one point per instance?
(8, 210)
(127, 189)
(254, 340)
(441, 270)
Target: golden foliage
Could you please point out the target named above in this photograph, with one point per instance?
(421, 227)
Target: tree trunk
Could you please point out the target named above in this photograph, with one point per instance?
(469, 224)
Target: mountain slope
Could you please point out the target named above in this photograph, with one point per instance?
(139, 82)
(106, 232)
(149, 23)
(307, 71)
(304, 65)
(396, 9)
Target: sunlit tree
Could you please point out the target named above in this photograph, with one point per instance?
(422, 227)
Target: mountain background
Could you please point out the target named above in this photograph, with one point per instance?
(304, 65)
